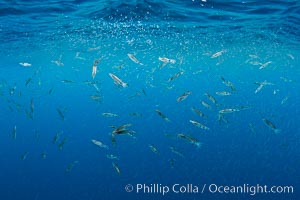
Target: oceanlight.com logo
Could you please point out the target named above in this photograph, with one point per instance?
(252, 190)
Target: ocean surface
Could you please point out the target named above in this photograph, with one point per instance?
(147, 99)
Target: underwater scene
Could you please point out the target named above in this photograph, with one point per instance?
(147, 99)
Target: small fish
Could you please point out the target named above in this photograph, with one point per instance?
(174, 150)
(94, 71)
(119, 67)
(228, 110)
(290, 56)
(135, 95)
(259, 88)
(31, 105)
(56, 137)
(163, 116)
(39, 82)
(261, 85)
(217, 54)
(134, 59)
(28, 81)
(255, 63)
(168, 87)
(211, 98)
(117, 80)
(284, 100)
(96, 87)
(29, 114)
(50, 90)
(198, 124)
(24, 156)
(228, 84)
(244, 107)
(12, 90)
(271, 125)
(121, 130)
(61, 145)
(172, 162)
(25, 64)
(153, 149)
(112, 157)
(198, 72)
(221, 119)
(286, 79)
(107, 114)
(70, 167)
(198, 112)
(93, 48)
(265, 65)
(58, 62)
(99, 144)
(43, 155)
(67, 81)
(94, 68)
(190, 139)
(14, 133)
(31, 109)
(96, 98)
(15, 104)
(136, 114)
(113, 139)
(223, 93)
(61, 113)
(206, 105)
(252, 129)
(253, 56)
(77, 56)
(183, 96)
(10, 108)
(175, 76)
(167, 60)
(116, 167)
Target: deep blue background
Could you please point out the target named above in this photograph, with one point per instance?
(189, 32)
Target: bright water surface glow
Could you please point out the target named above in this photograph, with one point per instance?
(254, 45)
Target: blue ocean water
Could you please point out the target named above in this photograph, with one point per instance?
(208, 92)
